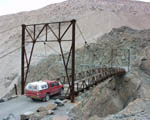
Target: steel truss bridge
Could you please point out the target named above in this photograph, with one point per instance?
(76, 82)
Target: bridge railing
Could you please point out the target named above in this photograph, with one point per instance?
(100, 75)
(86, 79)
(88, 73)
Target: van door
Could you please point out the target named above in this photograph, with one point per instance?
(57, 88)
(53, 88)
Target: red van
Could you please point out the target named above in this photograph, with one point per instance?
(42, 90)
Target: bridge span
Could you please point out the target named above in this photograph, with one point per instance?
(89, 78)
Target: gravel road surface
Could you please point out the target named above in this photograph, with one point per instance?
(22, 104)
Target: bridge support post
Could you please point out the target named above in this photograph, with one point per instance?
(73, 60)
(22, 59)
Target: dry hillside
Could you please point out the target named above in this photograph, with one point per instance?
(95, 17)
(121, 97)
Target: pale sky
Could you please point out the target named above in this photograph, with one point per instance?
(144, 0)
(14, 6)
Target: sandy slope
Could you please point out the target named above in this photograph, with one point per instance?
(95, 17)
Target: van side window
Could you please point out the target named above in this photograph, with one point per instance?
(30, 87)
(52, 84)
(44, 87)
(56, 84)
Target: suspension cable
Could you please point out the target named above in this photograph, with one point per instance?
(45, 48)
(52, 48)
(81, 33)
(45, 43)
(9, 53)
(9, 29)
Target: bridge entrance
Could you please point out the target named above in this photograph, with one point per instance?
(48, 33)
(82, 68)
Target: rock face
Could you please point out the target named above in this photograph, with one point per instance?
(126, 97)
(121, 96)
(109, 97)
(128, 94)
(95, 17)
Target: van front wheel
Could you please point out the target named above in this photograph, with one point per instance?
(46, 98)
(61, 91)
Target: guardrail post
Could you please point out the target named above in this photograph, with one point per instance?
(15, 86)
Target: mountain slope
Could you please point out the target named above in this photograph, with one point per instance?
(95, 17)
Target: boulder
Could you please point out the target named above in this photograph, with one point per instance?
(50, 112)
(47, 108)
(59, 102)
(27, 115)
(2, 100)
(52, 106)
(43, 113)
(136, 110)
(145, 65)
(41, 109)
(61, 118)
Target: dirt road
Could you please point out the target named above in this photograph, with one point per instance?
(22, 104)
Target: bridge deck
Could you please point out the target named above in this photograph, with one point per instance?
(86, 79)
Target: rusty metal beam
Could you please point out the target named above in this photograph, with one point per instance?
(66, 31)
(28, 65)
(66, 68)
(69, 56)
(48, 41)
(53, 32)
(49, 23)
(59, 39)
(46, 32)
(22, 59)
(29, 34)
(35, 38)
(73, 60)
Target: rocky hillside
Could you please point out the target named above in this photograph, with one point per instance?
(127, 97)
(95, 17)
